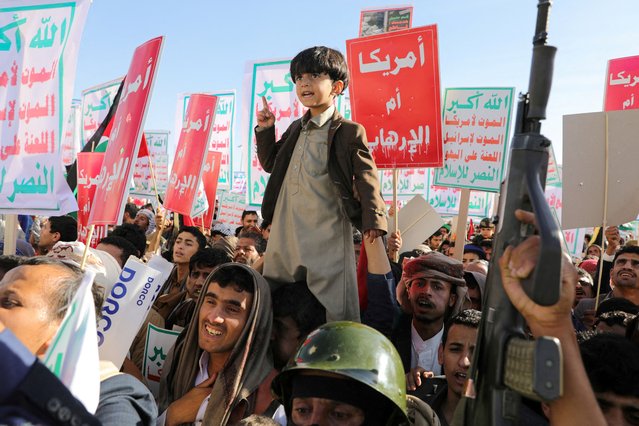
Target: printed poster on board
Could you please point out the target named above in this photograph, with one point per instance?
(476, 124)
(378, 21)
(39, 45)
(271, 79)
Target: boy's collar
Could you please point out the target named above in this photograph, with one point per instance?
(321, 119)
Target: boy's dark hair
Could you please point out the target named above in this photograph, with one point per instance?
(444, 245)
(632, 330)
(617, 304)
(249, 212)
(472, 248)
(131, 209)
(66, 226)
(486, 242)
(612, 364)
(409, 254)
(127, 247)
(320, 59)
(437, 233)
(201, 239)
(468, 317)
(295, 300)
(254, 234)
(624, 250)
(132, 233)
(149, 206)
(233, 275)
(582, 273)
(209, 258)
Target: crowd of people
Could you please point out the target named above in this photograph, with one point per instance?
(299, 319)
(250, 348)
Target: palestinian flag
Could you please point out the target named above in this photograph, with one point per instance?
(100, 139)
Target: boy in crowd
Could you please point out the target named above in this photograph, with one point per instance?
(323, 179)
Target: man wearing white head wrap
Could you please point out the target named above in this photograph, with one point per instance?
(145, 220)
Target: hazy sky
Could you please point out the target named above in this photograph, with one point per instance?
(485, 43)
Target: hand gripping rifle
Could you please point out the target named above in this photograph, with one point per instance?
(507, 366)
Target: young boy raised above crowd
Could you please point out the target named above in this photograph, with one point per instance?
(323, 179)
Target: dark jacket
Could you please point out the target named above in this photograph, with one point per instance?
(124, 400)
(433, 392)
(31, 393)
(402, 339)
(350, 167)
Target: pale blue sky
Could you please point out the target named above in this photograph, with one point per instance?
(481, 43)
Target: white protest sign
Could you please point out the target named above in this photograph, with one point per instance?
(417, 221)
(201, 204)
(446, 201)
(586, 163)
(73, 355)
(272, 80)
(71, 137)
(158, 141)
(410, 182)
(574, 239)
(476, 123)
(231, 207)
(39, 43)
(126, 307)
(158, 343)
(96, 103)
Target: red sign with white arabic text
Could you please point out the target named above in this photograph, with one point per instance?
(210, 178)
(622, 84)
(124, 141)
(190, 154)
(395, 95)
(89, 165)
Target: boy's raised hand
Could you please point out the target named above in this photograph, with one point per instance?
(265, 118)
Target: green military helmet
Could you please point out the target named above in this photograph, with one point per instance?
(352, 350)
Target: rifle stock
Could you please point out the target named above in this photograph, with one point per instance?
(505, 364)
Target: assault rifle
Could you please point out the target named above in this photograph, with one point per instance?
(506, 365)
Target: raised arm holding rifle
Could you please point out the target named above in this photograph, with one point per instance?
(524, 290)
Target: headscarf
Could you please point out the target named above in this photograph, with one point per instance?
(432, 265)
(247, 367)
(149, 215)
(107, 269)
(227, 244)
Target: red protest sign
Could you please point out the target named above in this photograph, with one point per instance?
(124, 143)
(209, 178)
(622, 84)
(190, 154)
(395, 95)
(89, 165)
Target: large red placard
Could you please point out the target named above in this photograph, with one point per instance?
(395, 95)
